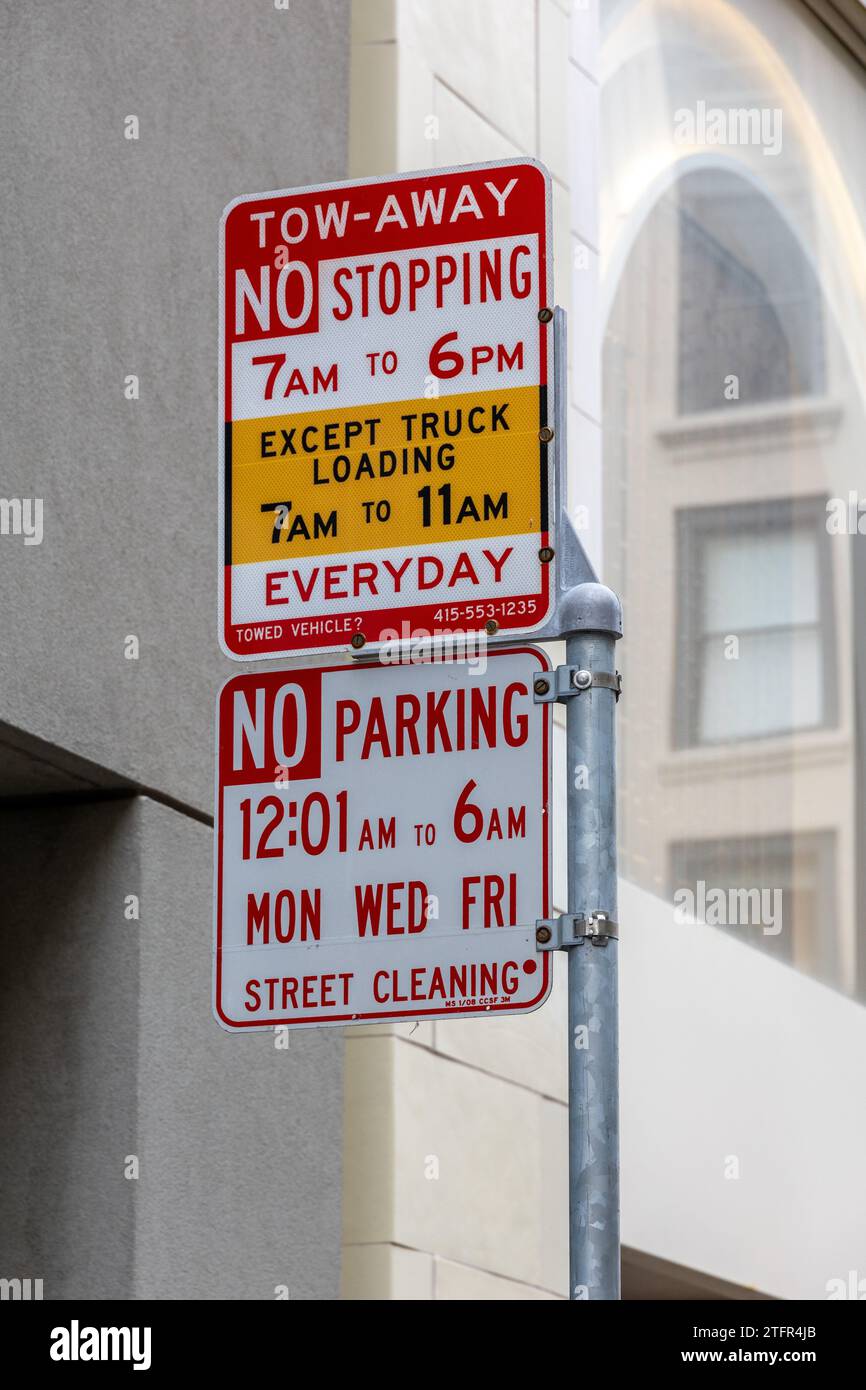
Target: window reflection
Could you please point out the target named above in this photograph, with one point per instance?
(755, 656)
(749, 304)
(733, 419)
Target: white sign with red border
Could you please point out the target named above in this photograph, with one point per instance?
(383, 842)
(385, 408)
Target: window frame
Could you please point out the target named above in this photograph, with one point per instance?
(821, 844)
(694, 526)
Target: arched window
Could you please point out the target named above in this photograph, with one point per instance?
(717, 461)
(749, 303)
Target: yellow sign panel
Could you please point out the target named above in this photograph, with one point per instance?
(406, 473)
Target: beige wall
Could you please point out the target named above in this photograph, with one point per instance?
(455, 1131)
(455, 1142)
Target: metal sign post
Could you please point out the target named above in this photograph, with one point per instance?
(589, 684)
(589, 616)
(593, 1067)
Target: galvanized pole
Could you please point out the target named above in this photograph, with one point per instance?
(589, 686)
(593, 1052)
(589, 617)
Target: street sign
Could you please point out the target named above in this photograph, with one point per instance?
(382, 842)
(386, 422)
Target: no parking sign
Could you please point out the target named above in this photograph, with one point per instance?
(383, 843)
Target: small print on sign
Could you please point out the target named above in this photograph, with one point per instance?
(382, 843)
(384, 388)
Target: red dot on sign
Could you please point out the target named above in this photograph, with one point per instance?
(530, 967)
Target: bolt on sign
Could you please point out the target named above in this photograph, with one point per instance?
(384, 361)
(382, 842)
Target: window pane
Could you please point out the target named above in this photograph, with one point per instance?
(774, 685)
(786, 878)
(760, 579)
(741, 295)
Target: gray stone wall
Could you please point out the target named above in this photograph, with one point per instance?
(108, 269)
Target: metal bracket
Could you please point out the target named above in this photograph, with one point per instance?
(572, 929)
(568, 681)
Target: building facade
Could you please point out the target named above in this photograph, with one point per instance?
(714, 284)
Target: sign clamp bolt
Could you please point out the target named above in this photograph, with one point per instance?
(491, 626)
(541, 686)
(574, 929)
(570, 682)
(545, 315)
(545, 434)
(359, 641)
(546, 554)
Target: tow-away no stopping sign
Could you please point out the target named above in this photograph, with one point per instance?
(383, 842)
(384, 366)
